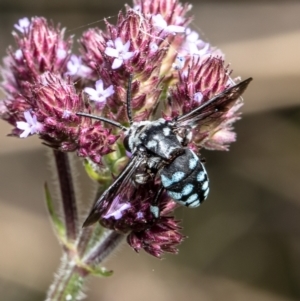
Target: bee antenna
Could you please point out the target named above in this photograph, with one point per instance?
(128, 99)
(117, 124)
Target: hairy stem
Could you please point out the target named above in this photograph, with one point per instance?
(91, 245)
(67, 285)
(69, 281)
(105, 247)
(67, 194)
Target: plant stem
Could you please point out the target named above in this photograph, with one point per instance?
(101, 251)
(68, 283)
(67, 194)
(90, 246)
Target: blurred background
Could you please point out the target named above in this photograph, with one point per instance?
(244, 242)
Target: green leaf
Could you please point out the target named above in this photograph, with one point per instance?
(59, 226)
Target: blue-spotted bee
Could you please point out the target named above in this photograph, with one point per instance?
(160, 151)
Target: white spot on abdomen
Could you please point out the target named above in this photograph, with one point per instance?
(177, 176)
(174, 195)
(187, 189)
(192, 163)
(201, 176)
(205, 185)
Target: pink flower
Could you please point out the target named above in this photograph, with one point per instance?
(173, 72)
(31, 126)
(119, 52)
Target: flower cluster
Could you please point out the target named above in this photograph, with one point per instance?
(45, 85)
(41, 97)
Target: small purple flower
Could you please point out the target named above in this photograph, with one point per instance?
(99, 94)
(31, 126)
(195, 46)
(160, 23)
(18, 54)
(66, 114)
(3, 109)
(22, 25)
(191, 36)
(153, 47)
(198, 97)
(119, 52)
(61, 53)
(116, 209)
(179, 63)
(76, 67)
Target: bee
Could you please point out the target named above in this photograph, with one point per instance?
(159, 148)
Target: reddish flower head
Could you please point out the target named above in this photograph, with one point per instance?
(173, 72)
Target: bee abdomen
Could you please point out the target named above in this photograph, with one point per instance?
(185, 179)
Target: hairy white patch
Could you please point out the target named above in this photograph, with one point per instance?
(205, 185)
(187, 189)
(175, 195)
(201, 176)
(166, 131)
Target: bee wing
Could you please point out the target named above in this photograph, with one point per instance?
(121, 185)
(215, 107)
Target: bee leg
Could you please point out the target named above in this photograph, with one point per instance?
(154, 204)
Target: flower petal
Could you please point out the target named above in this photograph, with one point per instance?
(90, 91)
(99, 85)
(175, 28)
(119, 44)
(26, 133)
(198, 97)
(128, 55)
(158, 21)
(109, 91)
(116, 63)
(18, 54)
(28, 117)
(111, 52)
(22, 125)
(126, 46)
(153, 47)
